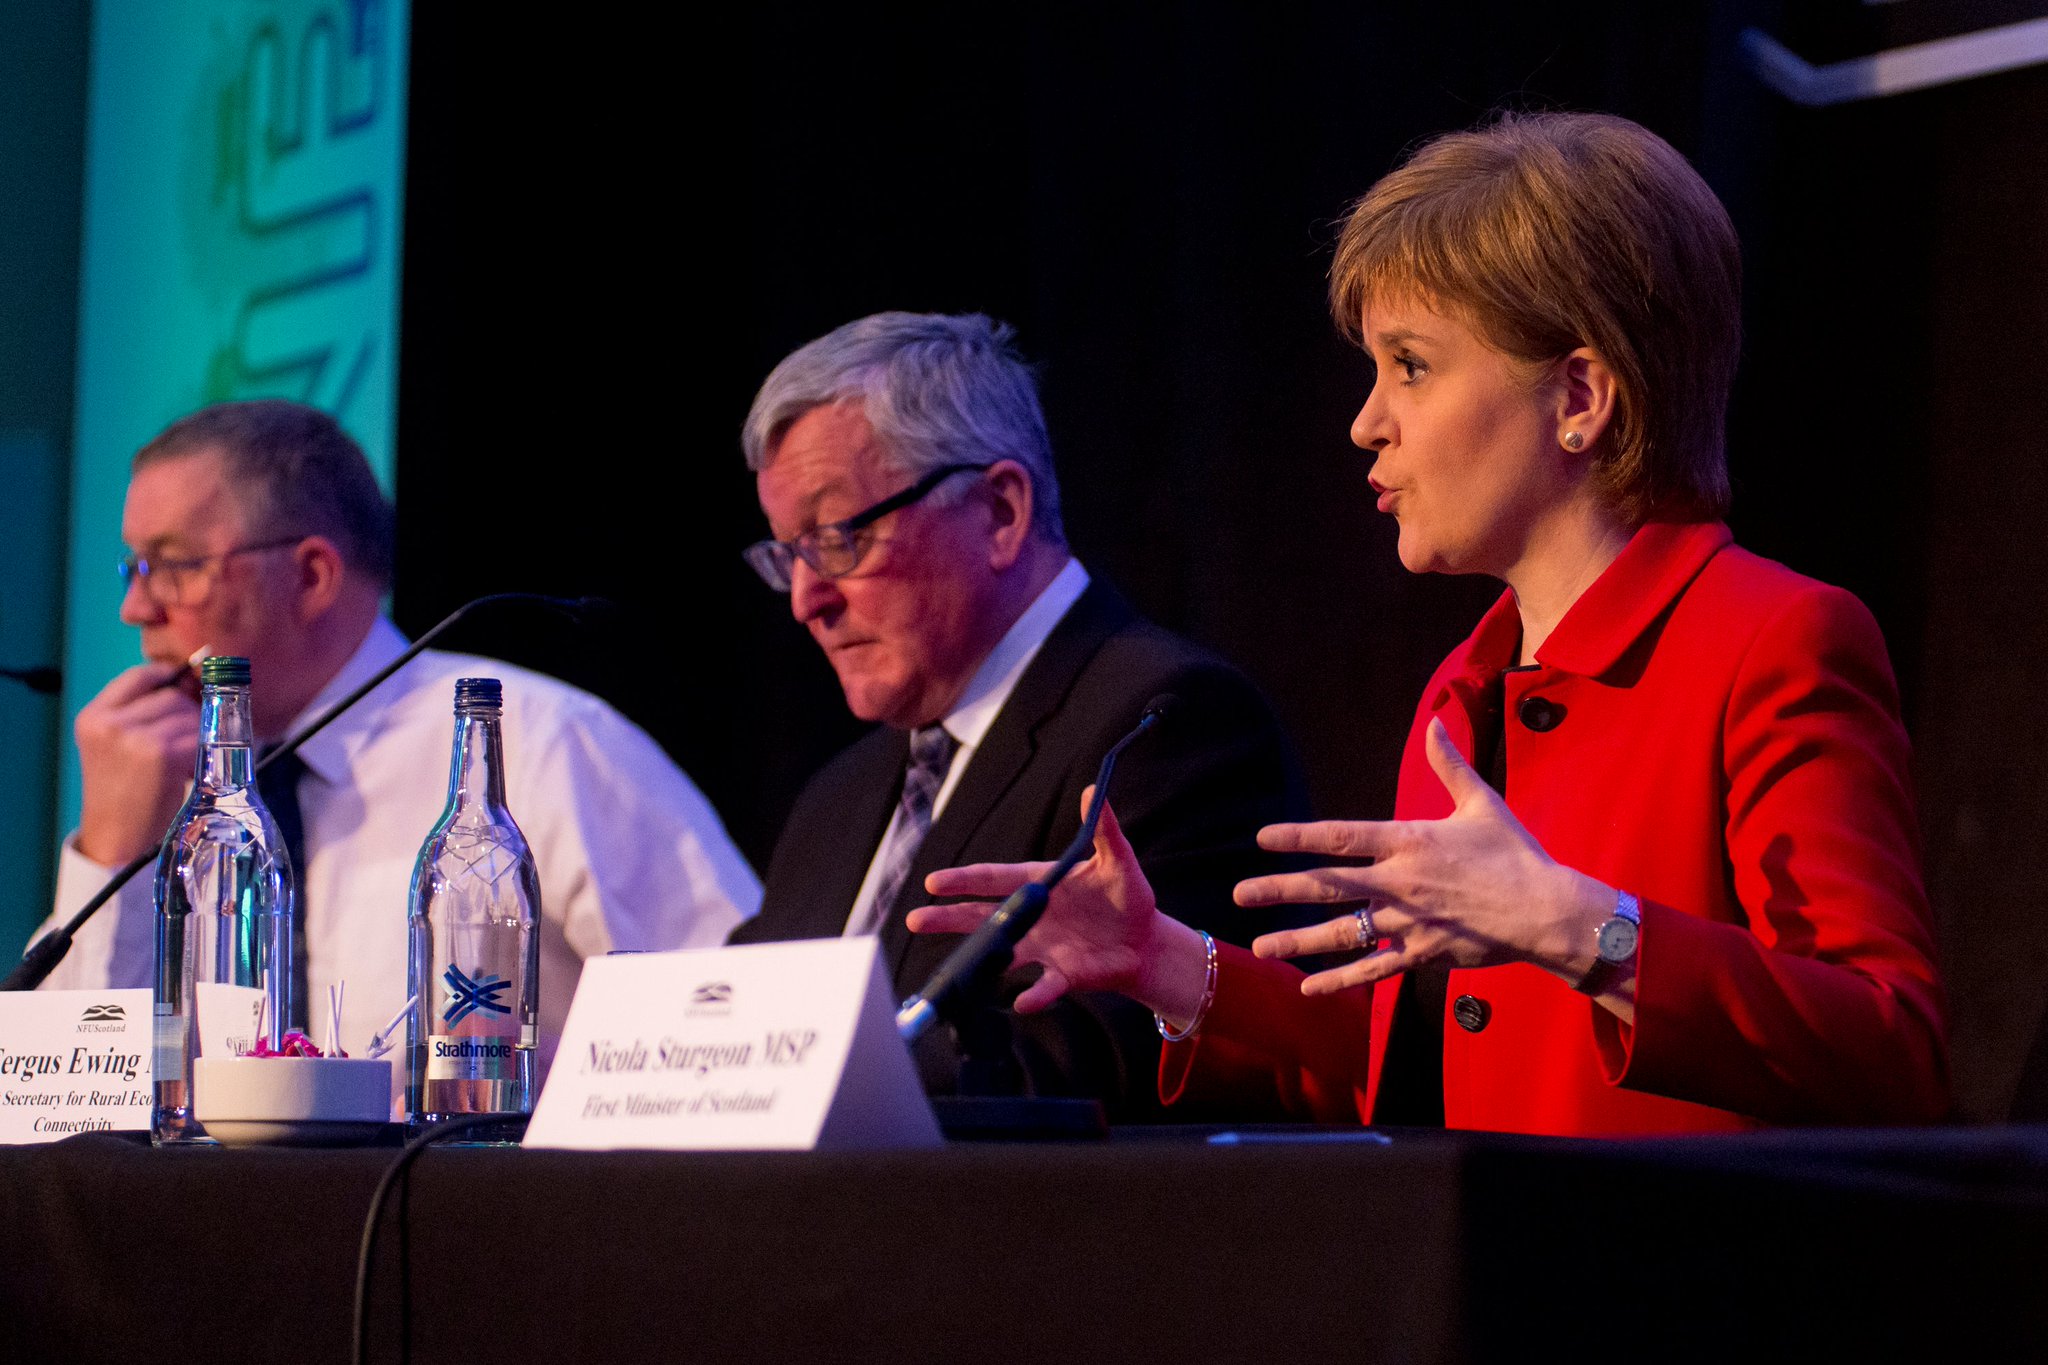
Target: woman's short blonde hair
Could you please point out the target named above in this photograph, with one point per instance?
(1548, 232)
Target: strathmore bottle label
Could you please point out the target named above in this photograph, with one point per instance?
(472, 1057)
(169, 1038)
(476, 1049)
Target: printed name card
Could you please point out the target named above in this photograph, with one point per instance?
(788, 1046)
(73, 1062)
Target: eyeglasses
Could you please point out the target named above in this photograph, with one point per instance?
(837, 548)
(176, 582)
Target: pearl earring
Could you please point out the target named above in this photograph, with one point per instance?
(1574, 441)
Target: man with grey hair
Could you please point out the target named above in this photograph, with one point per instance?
(257, 529)
(903, 465)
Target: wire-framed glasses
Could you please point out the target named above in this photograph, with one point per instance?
(837, 548)
(179, 582)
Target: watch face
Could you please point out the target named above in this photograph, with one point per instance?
(1616, 940)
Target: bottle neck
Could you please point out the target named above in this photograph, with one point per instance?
(476, 774)
(226, 739)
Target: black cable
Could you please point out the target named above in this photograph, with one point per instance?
(392, 1173)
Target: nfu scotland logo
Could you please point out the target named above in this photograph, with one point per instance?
(103, 1019)
(466, 997)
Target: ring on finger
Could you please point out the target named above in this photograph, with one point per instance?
(1368, 937)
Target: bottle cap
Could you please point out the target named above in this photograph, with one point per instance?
(478, 692)
(224, 670)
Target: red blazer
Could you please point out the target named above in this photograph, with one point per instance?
(1720, 736)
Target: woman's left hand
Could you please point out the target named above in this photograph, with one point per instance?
(1474, 889)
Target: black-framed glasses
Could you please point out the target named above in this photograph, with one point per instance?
(169, 582)
(837, 548)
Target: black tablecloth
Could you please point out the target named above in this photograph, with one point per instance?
(1152, 1246)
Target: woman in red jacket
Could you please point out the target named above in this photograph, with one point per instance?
(1654, 866)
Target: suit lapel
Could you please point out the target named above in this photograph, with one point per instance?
(1008, 748)
(846, 844)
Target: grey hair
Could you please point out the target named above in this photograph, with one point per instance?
(295, 472)
(936, 388)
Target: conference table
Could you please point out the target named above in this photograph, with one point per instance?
(1157, 1244)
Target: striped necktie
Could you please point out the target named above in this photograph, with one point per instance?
(278, 786)
(931, 756)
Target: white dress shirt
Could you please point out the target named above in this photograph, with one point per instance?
(979, 705)
(630, 854)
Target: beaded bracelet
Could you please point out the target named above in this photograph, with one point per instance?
(1201, 1010)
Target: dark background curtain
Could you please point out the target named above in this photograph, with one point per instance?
(612, 236)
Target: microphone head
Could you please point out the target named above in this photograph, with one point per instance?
(584, 611)
(1159, 708)
(595, 611)
(42, 678)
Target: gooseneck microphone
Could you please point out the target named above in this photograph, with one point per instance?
(985, 954)
(43, 956)
(42, 678)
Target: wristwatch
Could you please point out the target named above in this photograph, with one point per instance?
(1614, 943)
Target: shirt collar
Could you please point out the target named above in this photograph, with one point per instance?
(993, 682)
(1612, 614)
(1625, 600)
(327, 755)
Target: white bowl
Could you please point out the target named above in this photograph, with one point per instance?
(325, 1100)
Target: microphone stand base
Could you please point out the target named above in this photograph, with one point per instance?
(1018, 1118)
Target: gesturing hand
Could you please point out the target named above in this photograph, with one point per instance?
(1474, 888)
(1102, 930)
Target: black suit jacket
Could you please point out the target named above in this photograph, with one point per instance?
(1191, 795)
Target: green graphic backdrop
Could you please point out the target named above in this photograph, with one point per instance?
(243, 177)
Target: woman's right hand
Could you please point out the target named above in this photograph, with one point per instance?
(1101, 931)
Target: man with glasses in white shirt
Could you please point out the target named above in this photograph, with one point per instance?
(257, 529)
(903, 466)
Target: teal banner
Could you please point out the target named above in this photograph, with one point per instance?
(243, 211)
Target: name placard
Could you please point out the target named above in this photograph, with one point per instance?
(73, 1062)
(788, 1046)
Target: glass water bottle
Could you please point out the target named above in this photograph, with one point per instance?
(474, 945)
(224, 892)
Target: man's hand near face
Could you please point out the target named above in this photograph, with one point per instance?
(137, 742)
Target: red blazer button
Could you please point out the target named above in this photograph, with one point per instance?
(1471, 1013)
